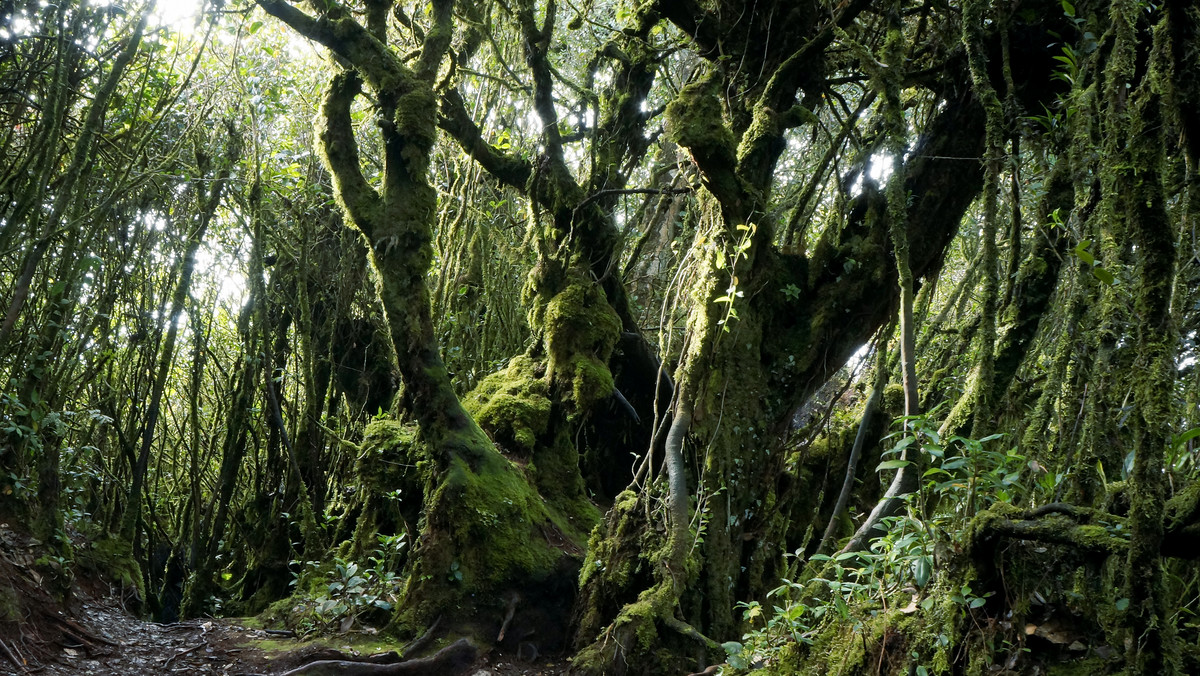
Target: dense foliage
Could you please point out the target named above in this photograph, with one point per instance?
(793, 335)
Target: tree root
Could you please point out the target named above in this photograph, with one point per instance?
(1084, 529)
(689, 631)
(419, 644)
(452, 660)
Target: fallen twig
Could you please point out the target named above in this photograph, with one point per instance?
(12, 657)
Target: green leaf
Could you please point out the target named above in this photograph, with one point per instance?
(1179, 440)
(734, 650)
(1104, 276)
(922, 571)
(892, 464)
(254, 27)
(976, 602)
(956, 463)
(1122, 604)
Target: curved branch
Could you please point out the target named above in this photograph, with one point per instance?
(437, 40)
(340, 152)
(1054, 529)
(344, 36)
(507, 168)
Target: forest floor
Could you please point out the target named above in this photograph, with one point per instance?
(95, 635)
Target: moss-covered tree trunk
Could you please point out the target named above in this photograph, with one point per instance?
(1136, 153)
(752, 354)
(485, 534)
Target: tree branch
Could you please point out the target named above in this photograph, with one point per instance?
(457, 122)
(340, 151)
(344, 36)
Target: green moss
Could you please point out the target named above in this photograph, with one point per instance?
(636, 639)
(392, 470)
(10, 610)
(591, 381)
(581, 329)
(363, 644)
(486, 529)
(505, 511)
(385, 442)
(696, 121)
(512, 405)
(113, 558)
(893, 399)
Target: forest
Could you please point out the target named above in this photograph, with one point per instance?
(611, 336)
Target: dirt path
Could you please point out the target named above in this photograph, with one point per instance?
(97, 636)
(101, 639)
(111, 642)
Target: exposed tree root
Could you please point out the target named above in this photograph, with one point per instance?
(454, 659)
(1084, 529)
(689, 631)
(425, 639)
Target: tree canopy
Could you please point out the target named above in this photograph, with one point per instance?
(785, 335)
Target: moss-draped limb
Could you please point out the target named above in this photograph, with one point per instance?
(976, 404)
(1065, 525)
(337, 30)
(776, 108)
(577, 308)
(905, 480)
(339, 149)
(1183, 32)
(745, 383)
(696, 122)
(1034, 286)
(508, 168)
(1089, 530)
(1139, 184)
(841, 304)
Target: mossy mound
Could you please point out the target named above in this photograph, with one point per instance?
(512, 405)
(581, 331)
(392, 471)
(112, 558)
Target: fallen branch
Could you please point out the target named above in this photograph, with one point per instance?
(1084, 529)
(1054, 529)
(691, 632)
(13, 658)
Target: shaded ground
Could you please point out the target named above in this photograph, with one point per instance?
(96, 635)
